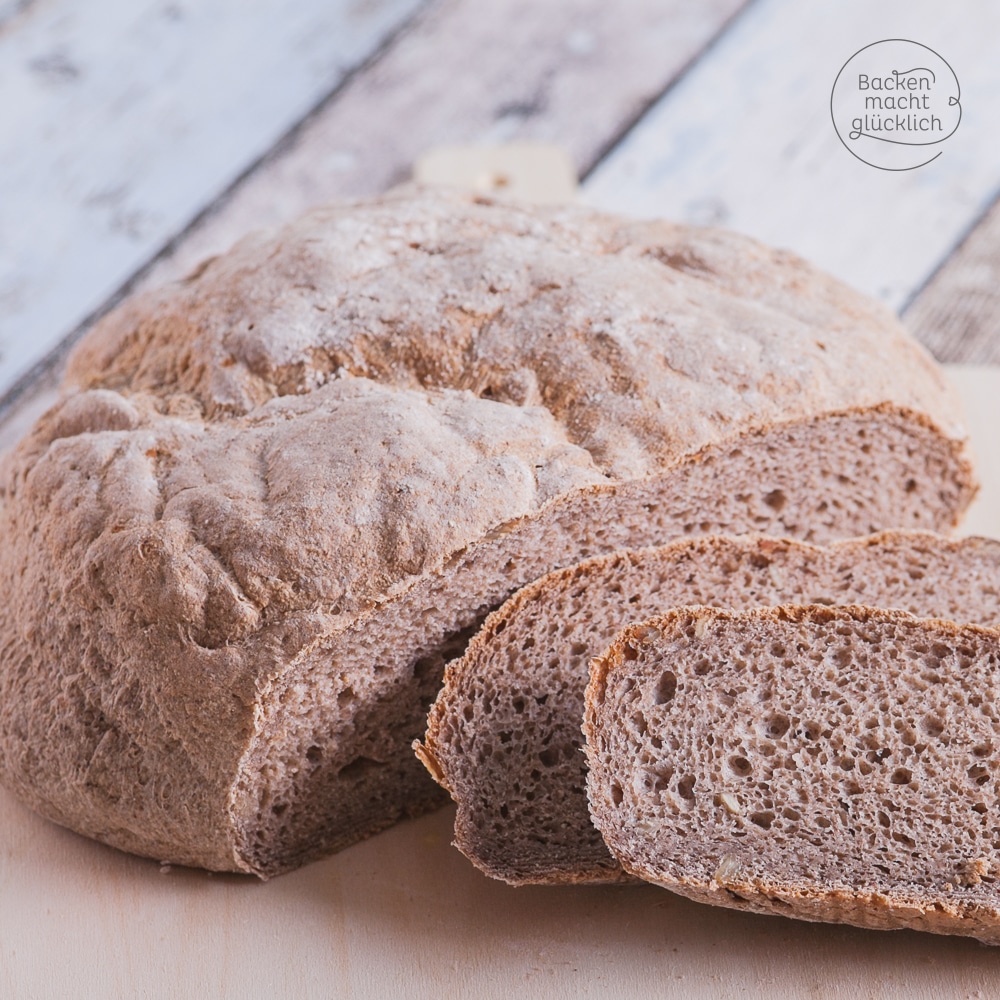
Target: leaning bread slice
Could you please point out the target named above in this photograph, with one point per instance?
(504, 734)
(833, 764)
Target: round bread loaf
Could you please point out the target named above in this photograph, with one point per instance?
(277, 496)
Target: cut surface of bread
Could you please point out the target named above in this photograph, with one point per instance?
(504, 734)
(275, 496)
(834, 764)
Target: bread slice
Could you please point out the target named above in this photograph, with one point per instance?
(275, 496)
(834, 764)
(504, 734)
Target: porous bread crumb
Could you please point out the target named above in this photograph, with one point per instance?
(505, 731)
(859, 740)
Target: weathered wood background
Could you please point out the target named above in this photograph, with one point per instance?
(138, 137)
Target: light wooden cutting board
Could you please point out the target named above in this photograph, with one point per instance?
(405, 915)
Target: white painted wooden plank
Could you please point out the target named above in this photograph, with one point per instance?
(120, 120)
(405, 915)
(745, 140)
(572, 72)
